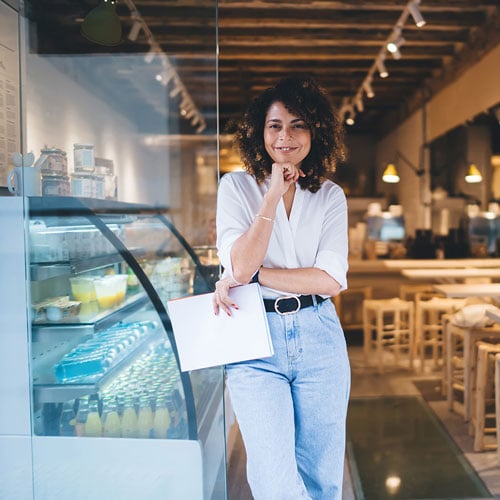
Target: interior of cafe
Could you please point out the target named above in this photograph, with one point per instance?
(116, 125)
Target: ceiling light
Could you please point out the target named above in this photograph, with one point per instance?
(359, 103)
(415, 13)
(368, 88)
(473, 175)
(382, 70)
(136, 27)
(349, 118)
(102, 24)
(395, 42)
(396, 55)
(390, 174)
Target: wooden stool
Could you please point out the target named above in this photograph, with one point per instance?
(429, 325)
(387, 323)
(485, 396)
(347, 305)
(408, 291)
(460, 362)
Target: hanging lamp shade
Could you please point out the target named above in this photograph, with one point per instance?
(390, 174)
(102, 24)
(473, 175)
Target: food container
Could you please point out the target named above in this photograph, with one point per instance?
(110, 290)
(83, 155)
(82, 289)
(55, 185)
(83, 185)
(55, 309)
(53, 161)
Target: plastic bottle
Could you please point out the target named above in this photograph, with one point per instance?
(145, 419)
(161, 420)
(81, 416)
(93, 426)
(129, 419)
(67, 421)
(111, 421)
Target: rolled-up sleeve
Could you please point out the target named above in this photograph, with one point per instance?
(332, 255)
(232, 220)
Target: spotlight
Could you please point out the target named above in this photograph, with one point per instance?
(368, 88)
(136, 27)
(382, 70)
(415, 13)
(359, 104)
(396, 55)
(349, 117)
(390, 174)
(395, 43)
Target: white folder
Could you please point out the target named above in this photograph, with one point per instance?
(205, 339)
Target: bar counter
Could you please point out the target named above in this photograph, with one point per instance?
(385, 275)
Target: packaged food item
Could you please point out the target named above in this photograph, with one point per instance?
(84, 157)
(53, 161)
(55, 185)
(55, 309)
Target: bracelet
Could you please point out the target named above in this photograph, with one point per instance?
(269, 219)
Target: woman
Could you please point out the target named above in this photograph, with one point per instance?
(284, 225)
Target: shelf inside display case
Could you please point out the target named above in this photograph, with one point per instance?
(48, 390)
(87, 325)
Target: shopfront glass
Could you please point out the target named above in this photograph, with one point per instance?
(114, 149)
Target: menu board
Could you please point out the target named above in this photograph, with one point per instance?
(9, 89)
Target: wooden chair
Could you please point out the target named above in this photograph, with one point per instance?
(429, 312)
(484, 417)
(497, 401)
(387, 325)
(348, 306)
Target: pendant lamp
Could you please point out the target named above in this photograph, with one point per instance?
(102, 24)
(390, 174)
(473, 175)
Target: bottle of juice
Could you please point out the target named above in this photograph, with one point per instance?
(112, 426)
(81, 415)
(67, 421)
(145, 419)
(161, 420)
(129, 419)
(93, 426)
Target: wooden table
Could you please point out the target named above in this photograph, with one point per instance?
(450, 275)
(464, 290)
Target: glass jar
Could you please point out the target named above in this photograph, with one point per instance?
(83, 156)
(55, 185)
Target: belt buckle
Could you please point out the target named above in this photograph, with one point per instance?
(278, 300)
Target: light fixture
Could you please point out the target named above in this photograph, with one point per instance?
(391, 175)
(382, 70)
(367, 86)
(349, 117)
(473, 175)
(359, 103)
(395, 43)
(102, 24)
(136, 26)
(415, 13)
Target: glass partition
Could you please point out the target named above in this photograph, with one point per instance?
(119, 133)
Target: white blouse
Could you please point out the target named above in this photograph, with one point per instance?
(314, 236)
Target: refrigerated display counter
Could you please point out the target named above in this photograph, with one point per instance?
(107, 413)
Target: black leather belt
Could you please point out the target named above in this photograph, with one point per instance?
(290, 304)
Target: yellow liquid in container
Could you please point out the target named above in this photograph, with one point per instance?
(145, 423)
(93, 426)
(161, 423)
(112, 425)
(129, 423)
(106, 301)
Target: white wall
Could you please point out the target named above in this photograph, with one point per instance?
(60, 111)
(472, 93)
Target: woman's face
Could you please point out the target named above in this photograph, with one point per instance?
(286, 136)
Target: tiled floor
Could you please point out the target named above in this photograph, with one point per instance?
(366, 382)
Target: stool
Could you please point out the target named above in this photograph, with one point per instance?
(408, 291)
(347, 305)
(460, 362)
(387, 323)
(485, 396)
(429, 325)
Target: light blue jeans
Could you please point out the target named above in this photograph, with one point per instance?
(291, 407)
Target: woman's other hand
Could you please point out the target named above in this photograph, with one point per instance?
(221, 298)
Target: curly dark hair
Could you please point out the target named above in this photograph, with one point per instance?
(304, 98)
